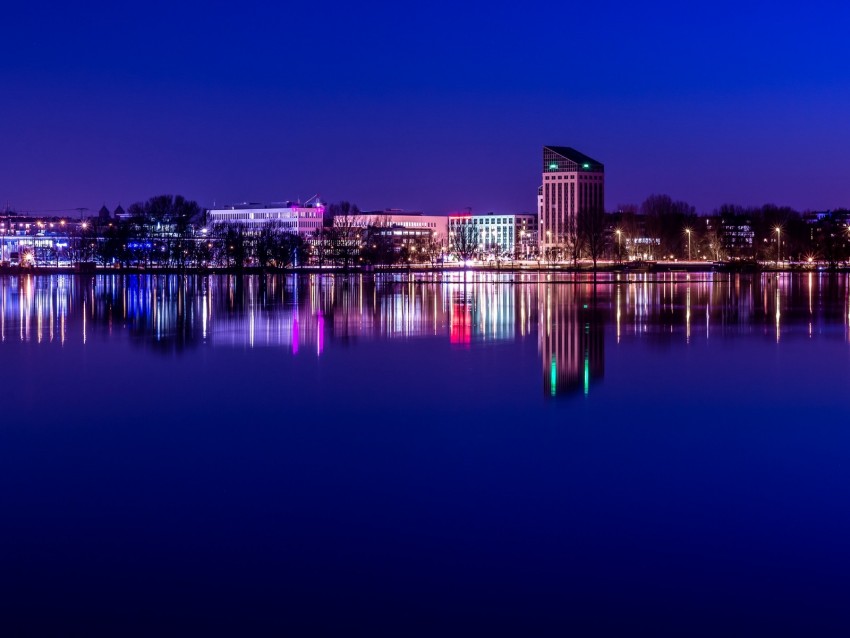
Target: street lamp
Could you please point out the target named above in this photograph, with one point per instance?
(778, 245)
(619, 244)
(688, 231)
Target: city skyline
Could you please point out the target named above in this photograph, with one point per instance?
(425, 319)
(705, 104)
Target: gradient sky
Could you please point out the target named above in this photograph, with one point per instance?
(430, 106)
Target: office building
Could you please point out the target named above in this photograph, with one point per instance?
(289, 216)
(572, 184)
(511, 236)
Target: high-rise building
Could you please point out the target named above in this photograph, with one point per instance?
(572, 184)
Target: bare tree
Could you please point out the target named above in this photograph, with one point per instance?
(711, 241)
(591, 230)
(464, 240)
(346, 233)
(320, 244)
(666, 221)
(573, 240)
(233, 245)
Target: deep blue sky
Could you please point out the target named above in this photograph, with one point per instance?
(432, 106)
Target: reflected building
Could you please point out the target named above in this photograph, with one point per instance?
(480, 311)
(572, 338)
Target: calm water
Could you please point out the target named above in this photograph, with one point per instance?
(500, 456)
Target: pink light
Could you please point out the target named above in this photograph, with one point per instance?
(320, 341)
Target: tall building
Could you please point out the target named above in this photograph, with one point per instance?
(572, 183)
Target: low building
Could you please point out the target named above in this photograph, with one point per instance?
(736, 232)
(504, 235)
(289, 216)
(399, 229)
(32, 241)
(405, 219)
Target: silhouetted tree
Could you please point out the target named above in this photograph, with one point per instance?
(666, 221)
(591, 230)
(346, 234)
(464, 240)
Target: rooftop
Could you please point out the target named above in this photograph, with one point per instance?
(581, 161)
(266, 205)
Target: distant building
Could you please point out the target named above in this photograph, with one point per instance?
(539, 203)
(736, 233)
(572, 183)
(35, 240)
(103, 215)
(290, 217)
(401, 228)
(408, 220)
(120, 214)
(841, 216)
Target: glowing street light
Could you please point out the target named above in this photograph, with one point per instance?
(778, 245)
(688, 231)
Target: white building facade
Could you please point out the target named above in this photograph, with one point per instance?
(410, 220)
(509, 235)
(301, 220)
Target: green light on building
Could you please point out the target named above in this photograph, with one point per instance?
(553, 376)
(553, 166)
(585, 165)
(586, 375)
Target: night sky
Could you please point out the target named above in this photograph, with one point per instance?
(426, 106)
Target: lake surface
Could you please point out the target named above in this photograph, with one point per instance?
(440, 455)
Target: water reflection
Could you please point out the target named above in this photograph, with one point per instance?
(569, 318)
(572, 340)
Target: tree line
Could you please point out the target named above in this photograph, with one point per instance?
(170, 232)
(661, 228)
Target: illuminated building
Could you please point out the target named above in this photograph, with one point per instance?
(572, 183)
(290, 217)
(35, 241)
(410, 220)
(503, 235)
(403, 227)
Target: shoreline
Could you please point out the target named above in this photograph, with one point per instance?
(655, 268)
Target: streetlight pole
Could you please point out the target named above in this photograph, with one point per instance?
(688, 231)
(619, 245)
(778, 245)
